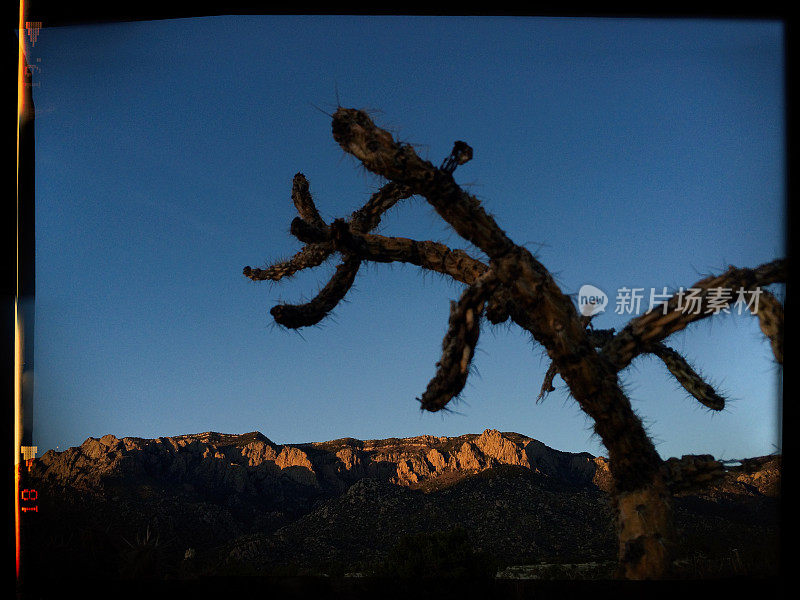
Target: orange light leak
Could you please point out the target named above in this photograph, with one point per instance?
(22, 110)
(21, 69)
(17, 430)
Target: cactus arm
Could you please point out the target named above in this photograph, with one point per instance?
(687, 377)
(368, 217)
(381, 154)
(311, 228)
(600, 337)
(295, 316)
(304, 203)
(547, 384)
(499, 306)
(312, 255)
(655, 326)
(433, 256)
(770, 319)
(458, 346)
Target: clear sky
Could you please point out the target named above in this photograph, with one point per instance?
(636, 153)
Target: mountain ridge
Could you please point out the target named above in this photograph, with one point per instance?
(412, 461)
(243, 500)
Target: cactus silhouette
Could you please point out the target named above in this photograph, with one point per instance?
(514, 285)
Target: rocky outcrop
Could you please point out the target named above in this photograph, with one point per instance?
(762, 475)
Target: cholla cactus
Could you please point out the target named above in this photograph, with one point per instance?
(514, 285)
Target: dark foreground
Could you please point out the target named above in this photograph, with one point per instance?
(290, 588)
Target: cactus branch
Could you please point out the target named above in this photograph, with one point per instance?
(301, 196)
(430, 255)
(458, 346)
(597, 337)
(770, 319)
(677, 365)
(459, 155)
(658, 324)
(687, 377)
(311, 228)
(547, 384)
(498, 309)
(368, 217)
(600, 337)
(311, 255)
(355, 132)
(310, 234)
(295, 316)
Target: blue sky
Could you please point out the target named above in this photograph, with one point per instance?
(638, 153)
